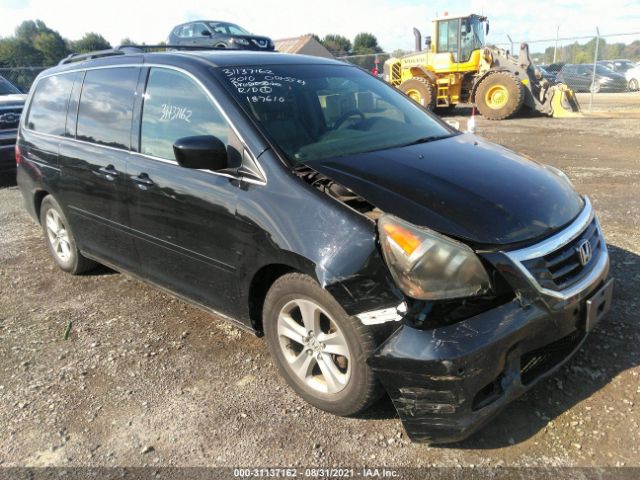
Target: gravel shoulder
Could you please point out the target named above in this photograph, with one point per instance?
(145, 379)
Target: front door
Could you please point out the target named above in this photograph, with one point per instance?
(184, 220)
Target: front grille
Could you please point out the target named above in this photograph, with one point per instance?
(562, 267)
(10, 118)
(537, 362)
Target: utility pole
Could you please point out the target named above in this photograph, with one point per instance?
(511, 42)
(593, 75)
(555, 49)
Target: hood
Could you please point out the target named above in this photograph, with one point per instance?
(461, 186)
(611, 75)
(13, 99)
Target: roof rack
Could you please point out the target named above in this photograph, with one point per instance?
(129, 49)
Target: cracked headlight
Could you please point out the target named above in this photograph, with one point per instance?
(429, 266)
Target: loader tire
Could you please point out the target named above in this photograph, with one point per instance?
(500, 95)
(421, 91)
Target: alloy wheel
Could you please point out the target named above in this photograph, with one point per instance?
(314, 347)
(58, 235)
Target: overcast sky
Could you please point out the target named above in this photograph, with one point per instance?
(390, 20)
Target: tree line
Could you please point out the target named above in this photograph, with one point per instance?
(34, 44)
(585, 53)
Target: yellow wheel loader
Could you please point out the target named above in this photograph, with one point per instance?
(457, 67)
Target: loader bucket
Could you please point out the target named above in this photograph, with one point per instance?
(564, 103)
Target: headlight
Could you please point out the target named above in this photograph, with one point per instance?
(430, 266)
(240, 41)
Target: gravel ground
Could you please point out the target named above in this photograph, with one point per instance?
(145, 379)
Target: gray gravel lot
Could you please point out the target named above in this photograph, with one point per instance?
(145, 379)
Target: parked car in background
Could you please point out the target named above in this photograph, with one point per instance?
(633, 77)
(547, 74)
(210, 33)
(11, 104)
(579, 77)
(618, 66)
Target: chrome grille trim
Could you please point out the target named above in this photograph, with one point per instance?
(556, 242)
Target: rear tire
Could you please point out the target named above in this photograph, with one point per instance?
(595, 87)
(421, 91)
(634, 85)
(500, 95)
(319, 350)
(60, 239)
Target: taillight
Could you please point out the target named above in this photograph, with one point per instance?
(18, 155)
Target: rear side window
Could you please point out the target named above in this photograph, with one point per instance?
(48, 110)
(106, 106)
(175, 107)
(186, 31)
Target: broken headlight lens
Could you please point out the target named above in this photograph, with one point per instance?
(430, 266)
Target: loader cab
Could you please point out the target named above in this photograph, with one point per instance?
(459, 36)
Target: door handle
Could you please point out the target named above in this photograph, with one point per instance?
(143, 181)
(109, 172)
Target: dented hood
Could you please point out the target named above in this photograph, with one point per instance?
(461, 186)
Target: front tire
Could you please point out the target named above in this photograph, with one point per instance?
(60, 240)
(499, 96)
(634, 85)
(319, 350)
(421, 91)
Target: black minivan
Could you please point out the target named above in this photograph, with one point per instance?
(377, 248)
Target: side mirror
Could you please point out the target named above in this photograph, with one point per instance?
(205, 33)
(487, 28)
(201, 152)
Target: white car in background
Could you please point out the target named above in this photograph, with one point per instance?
(633, 78)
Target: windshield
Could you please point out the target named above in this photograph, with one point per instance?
(7, 88)
(228, 29)
(313, 112)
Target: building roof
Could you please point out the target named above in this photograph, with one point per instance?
(306, 44)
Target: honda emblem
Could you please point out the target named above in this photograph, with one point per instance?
(585, 252)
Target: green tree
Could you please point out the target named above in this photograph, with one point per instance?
(51, 46)
(90, 42)
(28, 29)
(365, 44)
(34, 44)
(18, 53)
(127, 41)
(337, 44)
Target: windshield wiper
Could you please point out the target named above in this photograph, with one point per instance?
(431, 138)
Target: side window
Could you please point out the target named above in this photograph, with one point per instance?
(176, 107)
(106, 106)
(220, 28)
(186, 31)
(198, 29)
(48, 111)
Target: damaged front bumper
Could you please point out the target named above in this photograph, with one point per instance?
(447, 382)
